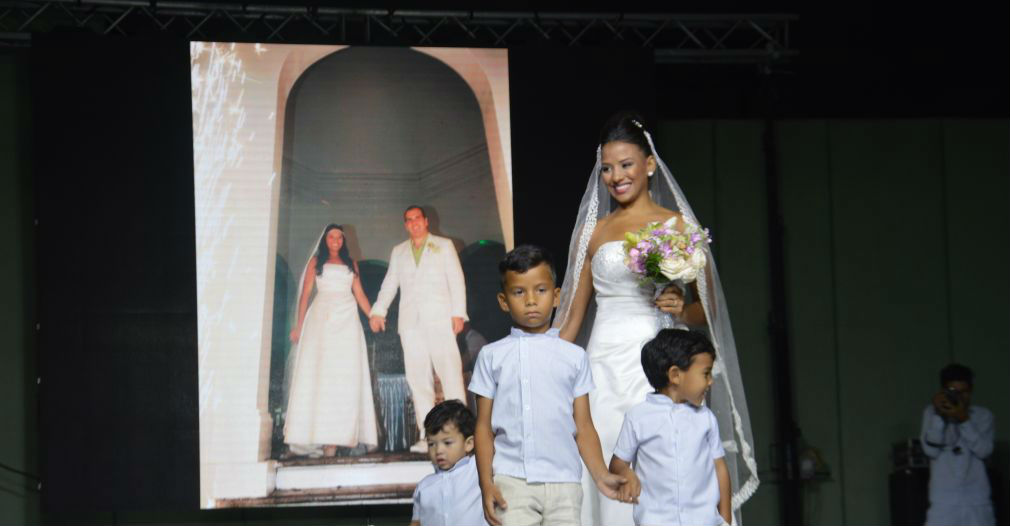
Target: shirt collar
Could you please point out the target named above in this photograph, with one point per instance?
(662, 399)
(519, 333)
(459, 463)
(424, 242)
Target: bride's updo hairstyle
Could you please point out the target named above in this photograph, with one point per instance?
(626, 126)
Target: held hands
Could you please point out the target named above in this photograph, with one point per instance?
(671, 301)
(630, 490)
(378, 324)
(295, 334)
(610, 484)
(492, 500)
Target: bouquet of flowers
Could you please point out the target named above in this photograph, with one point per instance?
(660, 254)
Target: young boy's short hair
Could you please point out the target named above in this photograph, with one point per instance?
(672, 347)
(450, 411)
(956, 372)
(523, 258)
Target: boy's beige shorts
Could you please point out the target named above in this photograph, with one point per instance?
(553, 503)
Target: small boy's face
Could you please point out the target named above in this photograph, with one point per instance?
(529, 297)
(693, 382)
(448, 446)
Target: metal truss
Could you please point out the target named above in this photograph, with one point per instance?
(675, 38)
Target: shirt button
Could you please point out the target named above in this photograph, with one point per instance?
(527, 408)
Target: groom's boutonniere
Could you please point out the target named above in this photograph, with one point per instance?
(433, 248)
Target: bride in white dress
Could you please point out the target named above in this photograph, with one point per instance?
(330, 396)
(630, 174)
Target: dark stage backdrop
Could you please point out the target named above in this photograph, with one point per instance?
(560, 99)
(116, 275)
(116, 248)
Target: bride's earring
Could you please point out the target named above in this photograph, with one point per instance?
(650, 174)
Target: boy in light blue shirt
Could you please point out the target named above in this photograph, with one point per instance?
(534, 429)
(450, 496)
(673, 439)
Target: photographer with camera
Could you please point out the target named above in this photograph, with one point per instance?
(957, 437)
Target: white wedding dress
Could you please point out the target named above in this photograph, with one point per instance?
(330, 400)
(626, 319)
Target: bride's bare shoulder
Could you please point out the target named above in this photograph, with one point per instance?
(602, 223)
(662, 214)
(599, 234)
(674, 217)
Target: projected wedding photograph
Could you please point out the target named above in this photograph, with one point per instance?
(351, 206)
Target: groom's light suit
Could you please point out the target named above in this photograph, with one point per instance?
(432, 292)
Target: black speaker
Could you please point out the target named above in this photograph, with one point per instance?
(909, 496)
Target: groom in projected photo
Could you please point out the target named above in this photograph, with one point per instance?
(426, 270)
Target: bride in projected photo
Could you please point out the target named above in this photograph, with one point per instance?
(330, 401)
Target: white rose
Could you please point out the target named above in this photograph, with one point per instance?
(677, 268)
